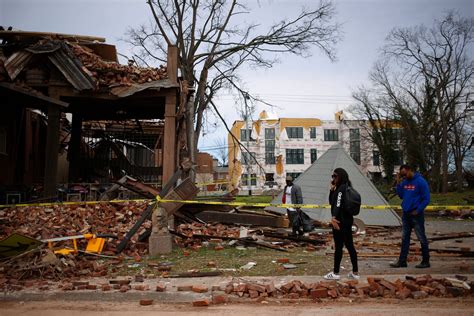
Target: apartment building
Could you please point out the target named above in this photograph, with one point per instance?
(288, 146)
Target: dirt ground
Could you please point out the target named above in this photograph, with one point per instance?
(431, 307)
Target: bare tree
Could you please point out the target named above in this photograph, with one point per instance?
(426, 75)
(214, 41)
(221, 150)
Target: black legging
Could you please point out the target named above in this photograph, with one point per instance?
(344, 237)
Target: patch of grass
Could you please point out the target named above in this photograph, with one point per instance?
(308, 263)
(254, 198)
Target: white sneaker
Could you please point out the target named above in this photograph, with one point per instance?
(353, 276)
(332, 276)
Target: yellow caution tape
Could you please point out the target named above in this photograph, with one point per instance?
(205, 202)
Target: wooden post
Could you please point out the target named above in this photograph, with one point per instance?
(172, 64)
(52, 149)
(169, 146)
(74, 148)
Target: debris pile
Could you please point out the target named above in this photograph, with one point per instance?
(110, 73)
(412, 287)
(69, 220)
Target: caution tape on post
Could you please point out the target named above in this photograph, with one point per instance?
(158, 199)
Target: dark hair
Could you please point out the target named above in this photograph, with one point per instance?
(343, 176)
(406, 167)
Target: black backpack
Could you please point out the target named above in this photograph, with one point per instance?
(352, 201)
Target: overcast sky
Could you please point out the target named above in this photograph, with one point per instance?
(301, 87)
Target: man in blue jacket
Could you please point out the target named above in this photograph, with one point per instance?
(413, 189)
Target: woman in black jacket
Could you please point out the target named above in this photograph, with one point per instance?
(341, 225)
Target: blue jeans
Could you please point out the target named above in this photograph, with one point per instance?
(416, 222)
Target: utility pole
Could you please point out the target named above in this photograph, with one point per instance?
(249, 161)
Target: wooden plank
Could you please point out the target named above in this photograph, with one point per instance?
(18, 35)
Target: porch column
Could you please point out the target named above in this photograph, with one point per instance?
(74, 148)
(52, 150)
(169, 144)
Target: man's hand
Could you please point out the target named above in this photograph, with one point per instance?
(335, 223)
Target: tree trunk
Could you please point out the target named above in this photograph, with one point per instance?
(190, 139)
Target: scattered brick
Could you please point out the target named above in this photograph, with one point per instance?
(241, 288)
(333, 293)
(389, 285)
(146, 302)
(253, 293)
(229, 288)
(91, 287)
(141, 287)
(161, 287)
(199, 288)
(283, 260)
(293, 296)
(419, 295)
(124, 288)
(421, 280)
(319, 293)
(106, 287)
(68, 287)
(270, 287)
(256, 287)
(219, 299)
(455, 291)
(120, 282)
(201, 303)
(139, 278)
(219, 247)
(404, 293)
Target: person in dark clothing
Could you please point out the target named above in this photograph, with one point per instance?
(292, 195)
(414, 191)
(341, 222)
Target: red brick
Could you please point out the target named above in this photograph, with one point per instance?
(139, 278)
(427, 289)
(185, 288)
(68, 287)
(389, 285)
(241, 288)
(319, 293)
(120, 282)
(256, 287)
(412, 286)
(287, 287)
(333, 293)
(419, 295)
(161, 287)
(283, 260)
(141, 287)
(116, 286)
(106, 287)
(293, 296)
(219, 299)
(201, 303)
(229, 289)
(403, 293)
(421, 280)
(218, 247)
(270, 287)
(124, 288)
(146, 302)
(455, 291)
(81, 287)
(253, 293)
(91, 287)
(200, 288)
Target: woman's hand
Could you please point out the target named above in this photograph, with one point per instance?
(335, 223)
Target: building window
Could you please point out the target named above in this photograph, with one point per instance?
(331, 135)
(269, 177)
(246, 135)
(314, 155)
(376, 158)
(295, 156)
(294, 175)
(244, 179)
(294, 132)
(270, 158)
(312, 132)
(270, 146)
(3, 140)
(269, 133)
(354, 147)
(248, 158)
(396, 135)
(253, 179)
